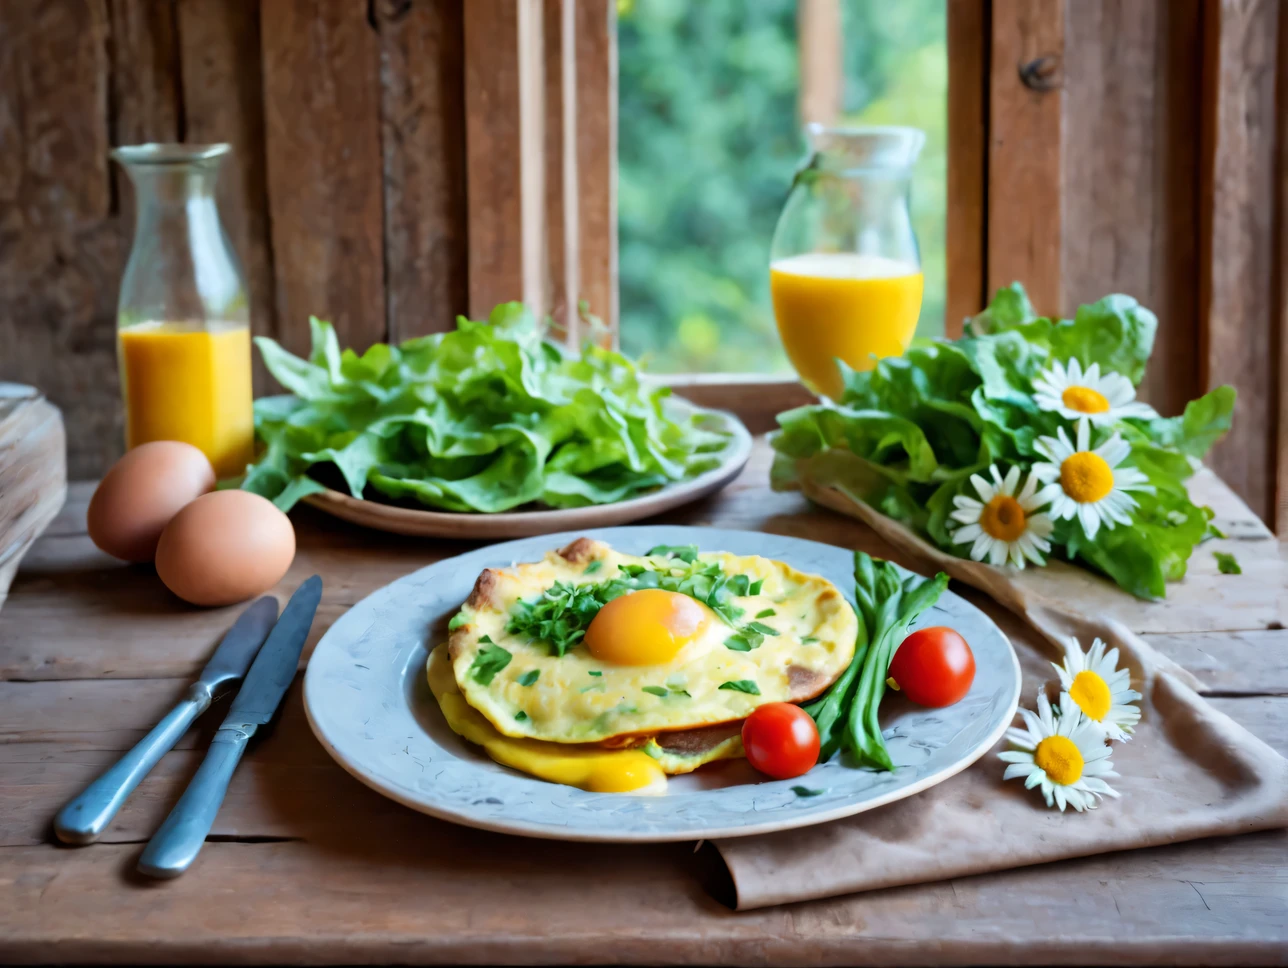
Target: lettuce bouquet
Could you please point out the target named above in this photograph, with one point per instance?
(1021, 440)
(486, 418)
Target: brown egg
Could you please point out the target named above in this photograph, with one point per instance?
(225, 547)
(136, 499)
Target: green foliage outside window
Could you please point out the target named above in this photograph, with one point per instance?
(708, 140)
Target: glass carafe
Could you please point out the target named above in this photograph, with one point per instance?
(183, 327)
(845, 271)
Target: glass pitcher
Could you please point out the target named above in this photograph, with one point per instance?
(183, 327)
(845, 272)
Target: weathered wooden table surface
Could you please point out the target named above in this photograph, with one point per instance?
(307, 865)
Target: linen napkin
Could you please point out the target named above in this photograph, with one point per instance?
(1188, 772)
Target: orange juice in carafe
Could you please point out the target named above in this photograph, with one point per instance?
(183, 323)
(191, 384)
(854, 307)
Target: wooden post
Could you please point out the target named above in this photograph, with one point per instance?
(820, 42)
(966, 237)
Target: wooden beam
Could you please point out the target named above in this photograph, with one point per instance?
(1025, 183)
(1239, 323)
(820, 42)
(504, 125)
(422, 135)
(596, 172)
(1280, 438)
(966, 230)
(322, 134)
(561, 167)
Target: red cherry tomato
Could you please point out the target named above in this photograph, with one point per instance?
(934, 667)
(781, 740)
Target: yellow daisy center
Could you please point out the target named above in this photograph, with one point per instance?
(1086, 477)
(1003, 518)
(1091, 693)
(1085, 400)
(1060, 759)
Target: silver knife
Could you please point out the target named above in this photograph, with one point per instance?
(85, 817)
(175, 845)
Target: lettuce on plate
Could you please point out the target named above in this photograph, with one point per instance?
(487, 418)
(906, 436)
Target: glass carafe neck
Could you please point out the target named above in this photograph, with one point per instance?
(171, 174)
(885, 152)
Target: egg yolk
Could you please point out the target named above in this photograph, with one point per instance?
(590, 768)
(647, 627)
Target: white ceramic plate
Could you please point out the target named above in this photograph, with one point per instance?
(520, 524)
(369, 704)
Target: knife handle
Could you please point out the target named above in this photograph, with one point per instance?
(85, 817)
(176, 844)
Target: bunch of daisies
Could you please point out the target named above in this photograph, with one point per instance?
(1063, 750)
(1012, 521)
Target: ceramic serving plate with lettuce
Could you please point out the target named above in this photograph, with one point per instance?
(1019, 442)
(488, 419)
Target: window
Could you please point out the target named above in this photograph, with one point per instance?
(709, 122)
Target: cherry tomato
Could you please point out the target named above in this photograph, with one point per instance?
(781, 740)
(933, 667)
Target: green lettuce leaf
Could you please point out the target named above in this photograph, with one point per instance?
(906, 436)
(486, 418)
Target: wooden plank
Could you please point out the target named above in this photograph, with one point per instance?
(33, 473)
(1237, 315)
(1237, 663)
(1025, 177)
(145, 93)
(61, 246)
(422, 74)
(1280, 440)
(223, 100)
(966, 241)
(322, 136)
(504, 121)
(820, 43)
(596, 111)
(561, 168)
(1131, 163)
(434, 898)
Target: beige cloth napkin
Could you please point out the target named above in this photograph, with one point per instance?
(1189, 772)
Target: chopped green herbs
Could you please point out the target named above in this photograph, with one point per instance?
(664, 691)
(762, 628)
(529, 677)
(744, 641)
(520, 716)
(561, 615)
(804, 791)
(594, 672)
(1226, 563)
(809, 640)
(742, 685)
(754, 588)
(765, 613)
(655, 690)
(457, 621)
(490, 660)
(686, 553)
(593, 567)
(485, 639)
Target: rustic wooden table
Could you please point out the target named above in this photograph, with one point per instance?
(307, 865)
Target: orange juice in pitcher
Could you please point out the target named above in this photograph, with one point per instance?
(845, 273)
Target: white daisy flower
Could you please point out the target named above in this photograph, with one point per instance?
(1091, 486)
(1074, 394)
(1002, 524)
(1099, 688)
(1063, 754)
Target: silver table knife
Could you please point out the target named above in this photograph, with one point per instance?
(175, 846)
(85, 817)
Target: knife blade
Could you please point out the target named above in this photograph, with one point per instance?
(176, 844)
(87, 815)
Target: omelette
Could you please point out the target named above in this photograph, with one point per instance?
(608, 671)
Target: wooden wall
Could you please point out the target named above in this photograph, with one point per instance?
(1135, 146)
(358, 191)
